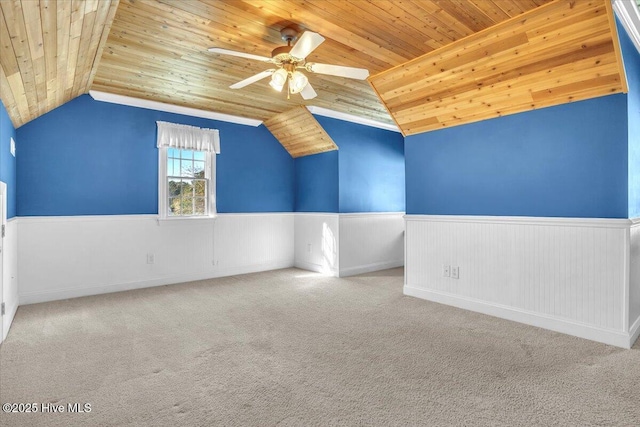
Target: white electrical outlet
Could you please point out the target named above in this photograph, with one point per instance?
(446, 271)
(151, 259)
(455, 272)
(309, 247)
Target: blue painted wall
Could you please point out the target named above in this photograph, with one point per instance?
(371, 167)
(563, 161)
(631, 59)
(316, 183)
(255, 173)
(94, 158)
(7, 161)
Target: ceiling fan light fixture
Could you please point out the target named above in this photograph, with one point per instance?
(278, 79)
(288, 59)
(298, 82)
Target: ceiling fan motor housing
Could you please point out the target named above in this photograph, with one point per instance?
(289, 34)
(280, 55)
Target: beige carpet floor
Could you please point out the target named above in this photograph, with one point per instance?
(293, 348)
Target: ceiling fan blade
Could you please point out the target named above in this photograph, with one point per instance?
(338, 70)
(252, 79)
(308, 92)
(239, 54)
(306, 44)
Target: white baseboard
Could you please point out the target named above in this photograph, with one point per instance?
(315, 267)
(10, 313)
(251, 268)
(607, 336)
(634, 332)
(361, 269)
(59, 294)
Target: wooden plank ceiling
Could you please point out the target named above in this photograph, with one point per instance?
(157, 50)
(300, 133)
(557, 53)
(50, 52)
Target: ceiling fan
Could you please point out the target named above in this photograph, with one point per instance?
(289, 60)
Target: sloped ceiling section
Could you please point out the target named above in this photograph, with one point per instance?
(300, 133)
(157, 50)
(49, 52)
(560, 52)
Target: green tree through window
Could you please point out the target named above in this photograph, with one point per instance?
(187, 183)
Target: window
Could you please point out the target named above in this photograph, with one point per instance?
(186, 171)
(186, 183)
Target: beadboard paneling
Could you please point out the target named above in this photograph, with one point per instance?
(316, 242)
(348, 244)
(634, 275)
(371, 242)
(63, 257)
(10, 275)
(564, 269)
(253, 240)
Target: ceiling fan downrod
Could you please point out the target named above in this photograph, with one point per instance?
(289, 35)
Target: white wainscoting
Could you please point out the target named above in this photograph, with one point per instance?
(10, 275)
(567, 275)
(316, 242)
(634, 279)
(348, 244)
(65, 257)
(371, 242)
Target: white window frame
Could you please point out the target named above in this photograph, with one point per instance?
(183, 137)
(163, 190)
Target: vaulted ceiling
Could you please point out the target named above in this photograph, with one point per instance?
(557, 53)
(50, 51)
(53, 51)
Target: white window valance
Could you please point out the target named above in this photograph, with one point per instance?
(187, 137)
